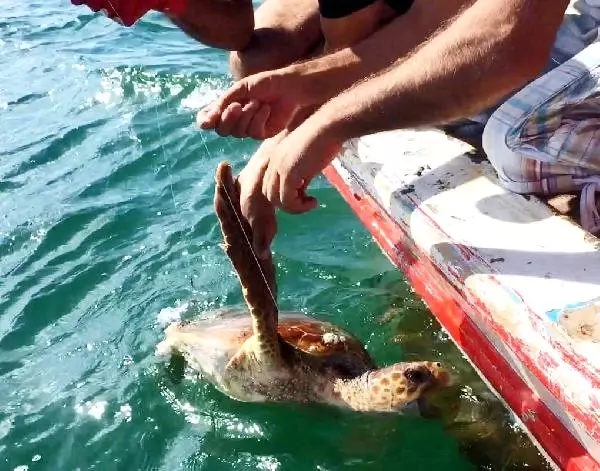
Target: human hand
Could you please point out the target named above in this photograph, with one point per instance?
(294, 162)
(256, 209)
(127, 12)
(258, 106)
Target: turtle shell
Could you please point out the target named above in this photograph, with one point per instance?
(212, 342)
(325, 342)
(317, 337)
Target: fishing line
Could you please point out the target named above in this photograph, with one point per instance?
(239, 219)
(160, 135)
(164, 156)
(164, 153)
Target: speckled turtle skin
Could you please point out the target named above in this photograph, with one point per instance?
(271, 357)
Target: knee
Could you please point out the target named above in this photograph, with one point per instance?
(238, 65)
(490, 140)
(266, 51)
(257, 57)
(508, 163)
(272, 48)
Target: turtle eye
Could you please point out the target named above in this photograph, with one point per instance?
(417, 376)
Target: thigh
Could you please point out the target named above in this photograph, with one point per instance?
(519, 167)
(285, 32)
(399, 7)
(544, 138)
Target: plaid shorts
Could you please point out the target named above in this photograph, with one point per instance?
(545, 139)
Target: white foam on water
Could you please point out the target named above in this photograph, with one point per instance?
(93, 409)
(125, 411)
(193, 419)
(268, 463)
(38, 235)
(239, 429)
(170, 314)
(175, 89)
(24, 45)
(6, 426)
(112, 91)
(202, 95)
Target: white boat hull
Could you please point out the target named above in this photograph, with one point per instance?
(516, 286)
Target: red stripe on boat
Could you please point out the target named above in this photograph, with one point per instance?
(448, 305)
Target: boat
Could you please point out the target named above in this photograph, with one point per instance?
(515, 283)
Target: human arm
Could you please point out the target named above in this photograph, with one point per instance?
(308, 84)
(227, 24)
(491, 49)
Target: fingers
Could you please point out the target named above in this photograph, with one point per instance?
(240, 121)
(251, 120)
(240, 126)
(258, 123)
(270, 186)
(287, 192)
(255, 208)
(280, 117)
(294, 198)
(245, 111)
(229, 119)
(209, 117)
(264, 226)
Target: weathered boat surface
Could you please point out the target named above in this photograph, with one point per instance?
(516, 285)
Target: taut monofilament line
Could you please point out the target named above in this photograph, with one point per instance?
(264, 277)
(250, 246)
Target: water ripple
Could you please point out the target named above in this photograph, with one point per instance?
(56, 148)
(107, 231)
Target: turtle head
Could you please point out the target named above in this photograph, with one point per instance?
(393, 388)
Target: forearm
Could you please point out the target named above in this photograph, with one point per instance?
(226, 24)
(328, 75)
(487, 52)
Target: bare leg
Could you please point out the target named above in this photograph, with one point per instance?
(285, 31)
(353, 28)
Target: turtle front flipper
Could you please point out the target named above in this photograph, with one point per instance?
(257, 276)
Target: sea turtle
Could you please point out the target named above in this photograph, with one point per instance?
(265, 357)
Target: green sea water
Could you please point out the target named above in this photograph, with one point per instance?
(107, 232)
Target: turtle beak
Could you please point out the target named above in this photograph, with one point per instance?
(441, 376)
(429, 374)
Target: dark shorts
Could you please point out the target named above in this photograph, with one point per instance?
(333, 9)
